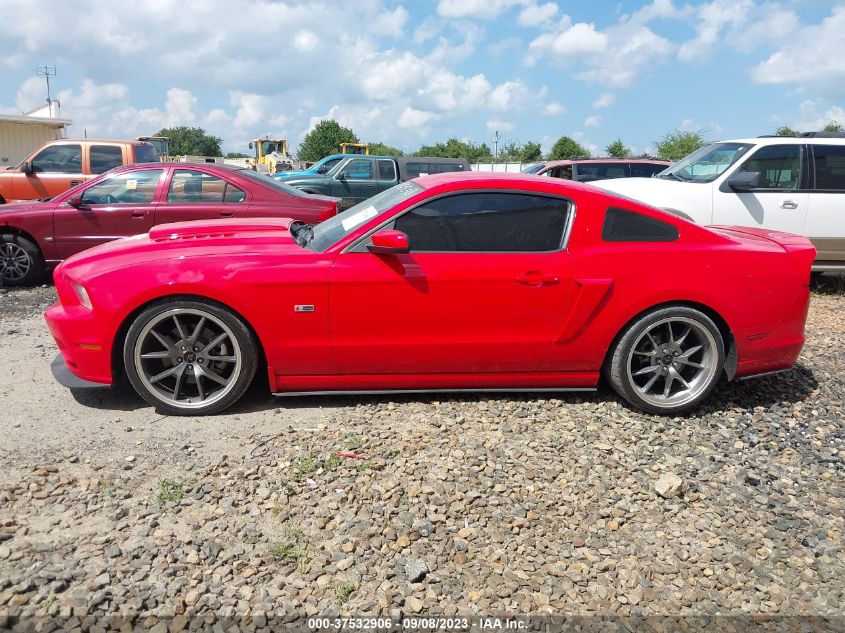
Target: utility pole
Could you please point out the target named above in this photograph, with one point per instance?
(496, 144)
(46, 72)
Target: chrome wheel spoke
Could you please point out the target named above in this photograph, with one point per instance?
(650, 383)
(167, 372)
(222, 359)
(198, 380)
(647, 370)
(215, 341)
(180, 375)
(163, 340)
(684, 336)
(213, 376)
(162, 354)
(197, 331)
(179, 330)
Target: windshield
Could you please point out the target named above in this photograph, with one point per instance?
(341, 225)
(533, 168)
(268, 181)
(707, 163)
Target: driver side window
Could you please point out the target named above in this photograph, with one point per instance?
(779, 167)
(358, 170)
(137, 187)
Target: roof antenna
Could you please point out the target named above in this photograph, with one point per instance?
(46, 72)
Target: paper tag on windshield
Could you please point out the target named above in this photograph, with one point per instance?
(131, 185)
(359, 218)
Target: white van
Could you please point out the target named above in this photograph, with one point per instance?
(793, 184)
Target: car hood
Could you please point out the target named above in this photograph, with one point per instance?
(22, 207)
(284, 175)
(643, 188)
(306, 178)
(203, 238)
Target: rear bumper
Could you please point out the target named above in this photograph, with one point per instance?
(84, 350)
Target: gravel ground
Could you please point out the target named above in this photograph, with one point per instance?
(465, 505)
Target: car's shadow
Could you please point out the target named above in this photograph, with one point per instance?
(786, 387)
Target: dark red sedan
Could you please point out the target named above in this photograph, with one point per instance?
(130, 200)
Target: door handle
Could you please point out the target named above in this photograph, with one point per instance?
(139, 214)
(227, 214)
(73, 183)
(534, 278)
(788, 204)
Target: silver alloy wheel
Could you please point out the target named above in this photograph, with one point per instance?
(188, 358)
(673, 362)
(15, 262)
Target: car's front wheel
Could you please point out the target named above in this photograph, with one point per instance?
(189, 357)
(667, 361)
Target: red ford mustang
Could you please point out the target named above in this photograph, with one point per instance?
(130, 200)
(464, 281)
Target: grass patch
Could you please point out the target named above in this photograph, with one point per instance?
(301, 468)
(352, 442)
(367, 465)
(342, 591)
(295, 549)
(170, 491)
(332, 462)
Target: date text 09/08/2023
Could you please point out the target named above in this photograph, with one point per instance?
(417, 623)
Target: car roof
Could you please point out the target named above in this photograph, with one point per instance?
(502, 179)
(158, 165)
(787, 140)
(609, 159)
(97, 140)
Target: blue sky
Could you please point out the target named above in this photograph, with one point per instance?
(417, 71)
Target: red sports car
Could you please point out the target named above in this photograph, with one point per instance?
(459, 281)
(130, 200)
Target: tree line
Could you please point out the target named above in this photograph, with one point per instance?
(328, 134)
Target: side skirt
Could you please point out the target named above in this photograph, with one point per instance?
(380, 392)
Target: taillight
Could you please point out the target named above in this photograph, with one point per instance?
(330, 212)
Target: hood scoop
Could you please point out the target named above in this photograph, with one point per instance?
(217, 228)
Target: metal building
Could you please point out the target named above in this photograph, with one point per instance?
(20, 134)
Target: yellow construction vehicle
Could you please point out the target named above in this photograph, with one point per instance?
(270, 155)
(355, 148)
(162, 145)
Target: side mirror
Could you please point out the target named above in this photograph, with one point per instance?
(322, 169)
(76, 202)
(26, 167)
(744, 181)
(341, 175)
(250, 146)
(388, 242)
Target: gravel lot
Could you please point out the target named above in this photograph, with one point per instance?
(465, 505)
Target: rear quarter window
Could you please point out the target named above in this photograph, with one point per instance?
(621, 225)
(146, 154)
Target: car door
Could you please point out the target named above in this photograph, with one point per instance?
(119, 205)
(779, 200)
(355, 181)
(195, 194)
(481, 290)
(826, 214)
(53, 170)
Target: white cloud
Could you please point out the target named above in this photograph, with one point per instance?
(604, 100)
(713, 18)
(305, 41)
(813, 116)
(553, 109)
(569, 41)
(501, 126)
(411, 118)
(631, 51)
(509, 96)
(484, 9)
(812, 55)
(592, 121)
(537, 14)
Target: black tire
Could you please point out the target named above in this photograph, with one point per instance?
(646, 358)
(14, 269)
(193, 367)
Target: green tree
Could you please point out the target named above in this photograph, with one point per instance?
(324, 139)
(236, 155)
(380, 149)
(514, 152)
(783, 130)
(677, 144)
(833, 126)
(618, 149)
(454, 148)
(191, 141)
(567, 149)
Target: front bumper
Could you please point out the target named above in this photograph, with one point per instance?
(66, 378)
(81, 341)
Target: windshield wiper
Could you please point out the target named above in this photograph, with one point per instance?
(671, 175)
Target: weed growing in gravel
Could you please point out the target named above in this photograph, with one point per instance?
(170, 491)
(367, 465)
(302, 467)
(296, 549)
(49, 602)
(332, 462)
(353, 442)
(342, 591)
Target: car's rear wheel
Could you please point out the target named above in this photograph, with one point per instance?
(667, 361)
(190, 357)
(21, 262)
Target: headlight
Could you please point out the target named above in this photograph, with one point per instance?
(82, 295)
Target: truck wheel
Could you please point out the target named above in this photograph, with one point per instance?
(21, 262)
